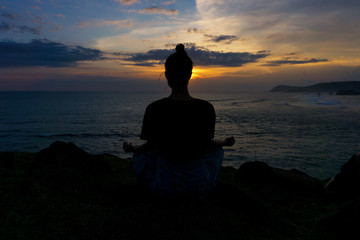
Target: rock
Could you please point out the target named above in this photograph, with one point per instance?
(229, 196)
(61, 154)
(64, 165)
(346, 184)
(342, 225)
(7, 160)
(256, 172)
(293, 180)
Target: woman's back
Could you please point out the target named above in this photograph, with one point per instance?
(179, 128)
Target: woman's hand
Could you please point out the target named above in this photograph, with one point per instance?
(226, 142)
(229, 141)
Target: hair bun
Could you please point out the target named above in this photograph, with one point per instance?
(180, 48)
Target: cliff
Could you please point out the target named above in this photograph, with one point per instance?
(63, 192)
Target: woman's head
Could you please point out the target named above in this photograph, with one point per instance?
(178, 67)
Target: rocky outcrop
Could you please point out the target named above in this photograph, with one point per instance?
(291, 180)
(344, 224)
(61, 154)
(64, 165)
(346, 184)
(63, 192)
(320, 87)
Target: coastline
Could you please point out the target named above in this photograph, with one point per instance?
(64, 192)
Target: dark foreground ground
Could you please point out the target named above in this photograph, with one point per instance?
(63, 192)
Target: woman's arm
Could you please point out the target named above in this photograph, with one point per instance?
(128, 147)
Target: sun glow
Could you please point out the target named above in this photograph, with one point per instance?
(200, 72)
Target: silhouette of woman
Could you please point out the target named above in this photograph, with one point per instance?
(180, 156)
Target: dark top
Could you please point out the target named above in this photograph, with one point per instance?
(180, 130)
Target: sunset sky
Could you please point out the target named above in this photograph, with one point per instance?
(122, 44)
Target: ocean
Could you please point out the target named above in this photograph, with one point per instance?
(315, 134)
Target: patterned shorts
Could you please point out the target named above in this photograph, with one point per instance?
(196, 178)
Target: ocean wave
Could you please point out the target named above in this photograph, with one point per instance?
(237, 101)
(327, 100)
(21, 122)
(78, 122)
(82, 135)
(11, 131)
(5, 135)
(258, 100)
(223, 100)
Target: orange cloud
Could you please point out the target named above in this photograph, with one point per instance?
(126, 2)
(169, 2)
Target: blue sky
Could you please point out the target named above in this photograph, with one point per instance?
(121, 44)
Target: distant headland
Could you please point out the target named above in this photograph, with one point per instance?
(338, 88)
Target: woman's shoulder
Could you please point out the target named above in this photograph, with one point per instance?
(158, 103)
(202, 102)
(194, 102)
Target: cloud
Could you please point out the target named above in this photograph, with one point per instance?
(126, 2)
(193, 30)
(200, 56)
(118, 23)
(221, 38)
(33, 30)
(289, 61)
(33, 24)
(216, 8)
(227, 39)
(20, 28)
(186, 44)
(289, 25)
(9, 15)
(37, 19)
(159, 10)
(5, 27)
(56, 27)
(44, 53)
(168, 2)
